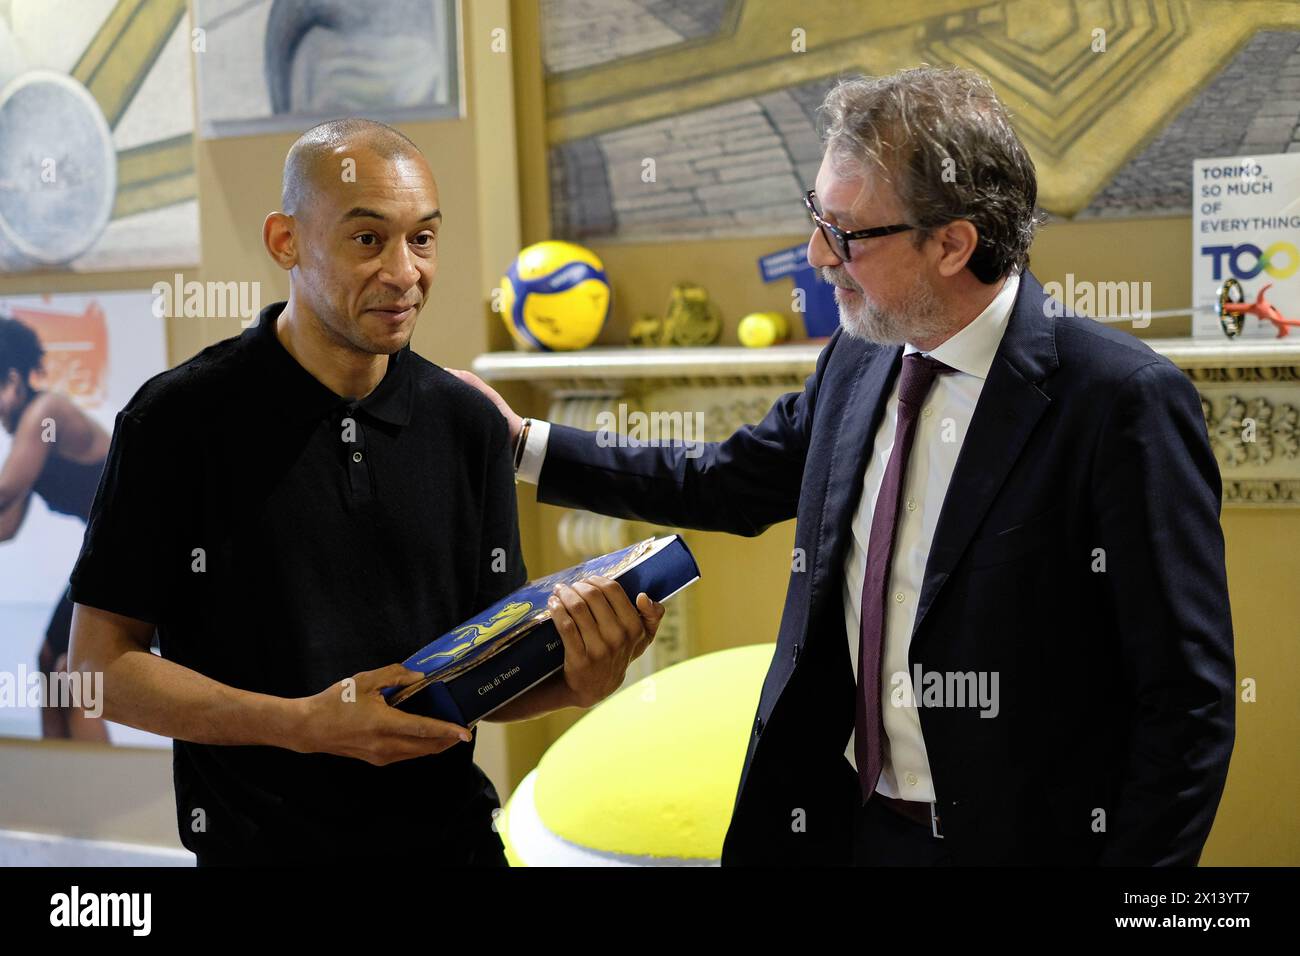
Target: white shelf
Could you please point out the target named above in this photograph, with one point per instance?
(783, 361)
(713, 361)
(1228, 353)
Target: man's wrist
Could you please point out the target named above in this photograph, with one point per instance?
(569, 695)
(532, 451)
(289, 723)
(559, 694)
(545, 698)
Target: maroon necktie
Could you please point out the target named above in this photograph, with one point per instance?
(917, 376)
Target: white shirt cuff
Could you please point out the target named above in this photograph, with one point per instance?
(530, 467)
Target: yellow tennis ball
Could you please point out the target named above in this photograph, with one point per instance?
(760, 329)
(649, 776)
(555, 296)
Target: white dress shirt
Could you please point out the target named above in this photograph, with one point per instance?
(940, 431)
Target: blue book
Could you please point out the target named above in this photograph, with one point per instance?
(503, 651)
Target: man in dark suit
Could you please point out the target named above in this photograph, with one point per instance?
(1006, 637)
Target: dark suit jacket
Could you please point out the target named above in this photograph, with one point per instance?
(1116, 686)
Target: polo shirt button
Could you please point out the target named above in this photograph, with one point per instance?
(758, 726)
(911, 780)
(356, 456)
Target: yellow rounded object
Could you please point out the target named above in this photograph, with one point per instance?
(761, 329)
(502, 824)
(555, 296)
(648, 777)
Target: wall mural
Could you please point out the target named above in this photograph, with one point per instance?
(272, 65)
(1113, 98)
(96, 136)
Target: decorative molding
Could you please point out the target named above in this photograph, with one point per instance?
(1233, 359)
(1238, 374)
(1251, 431)
(1250, 395)
(627, 368)
(1270, 494)
(1271, 360)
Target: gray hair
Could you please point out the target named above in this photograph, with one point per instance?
(945, 142)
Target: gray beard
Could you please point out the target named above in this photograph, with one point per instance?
(920, 319)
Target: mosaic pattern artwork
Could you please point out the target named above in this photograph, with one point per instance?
(665, 128)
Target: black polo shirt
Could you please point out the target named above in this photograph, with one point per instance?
(282, 538)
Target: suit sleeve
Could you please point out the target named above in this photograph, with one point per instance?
(501, 558)
(1157, 509)
(742, 485)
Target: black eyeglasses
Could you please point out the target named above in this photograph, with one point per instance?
(837, 238)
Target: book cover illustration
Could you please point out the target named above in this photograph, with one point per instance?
(500, 626)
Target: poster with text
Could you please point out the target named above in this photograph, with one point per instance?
(1246, 227)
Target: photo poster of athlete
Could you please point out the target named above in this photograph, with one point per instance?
(68, 364)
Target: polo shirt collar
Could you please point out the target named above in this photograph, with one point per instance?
(300, 393)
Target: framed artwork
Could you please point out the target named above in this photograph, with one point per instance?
(274, 65)
(98, 349)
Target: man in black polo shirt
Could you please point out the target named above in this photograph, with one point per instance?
(297, 508)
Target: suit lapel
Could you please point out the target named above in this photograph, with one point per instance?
(1009, 407)
(854, 438)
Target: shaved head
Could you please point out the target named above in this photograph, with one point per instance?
(315, 155)
(357, 232)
